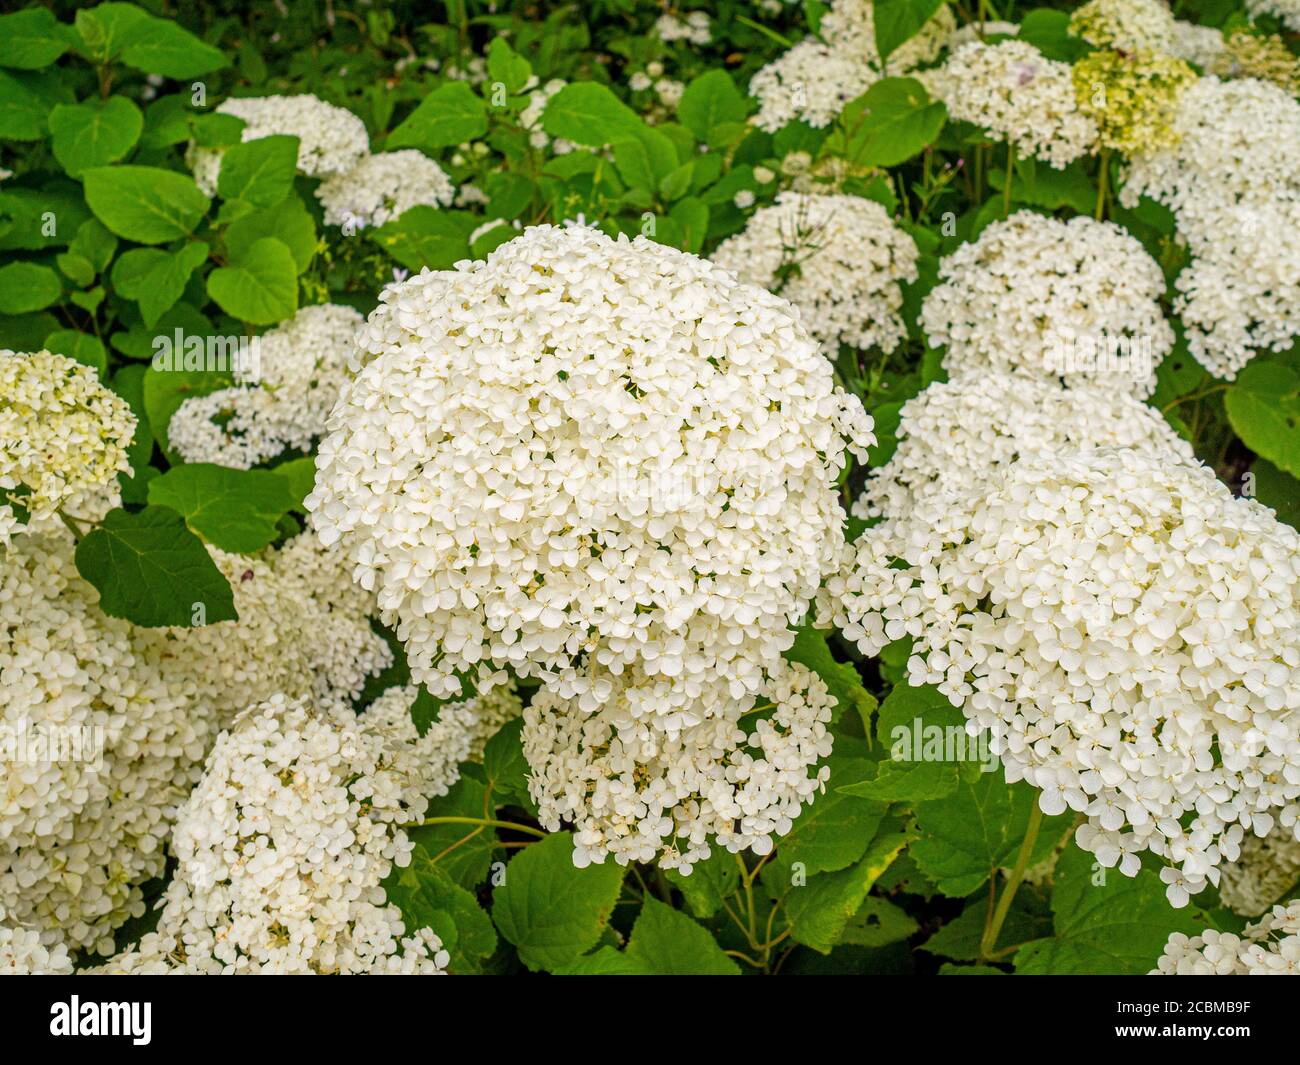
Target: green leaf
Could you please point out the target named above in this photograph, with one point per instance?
(1048, 30)
(165, 391)
(959, 939)
(587, 112)
(429, 898)
(26, 214)
(878, 923)
(160, 46)
(165, 280)
(507, 66)
(25, 105)
(83, 347)
(259, 172)
(550, 910)
(819, 910)
(288, 222)
(1105, 923)
(152, 571)
(235, 510)
(668, 943)
(605, 961)
(692, 219)
(892, 121)
(978, 828)
(1278, 490)
(425, 236)
(94, 134)
(301, 475)
(31, 39)
(710, 100)
(833, 831)
(708, 883)
(27, 287)
(451, 114)
(898, 21)
(466, 850)
(260, 287)
(95, 244)
(144, 203)
(106, 29)
(1264, 408)
(504, 765)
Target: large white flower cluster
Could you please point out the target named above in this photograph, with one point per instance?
(280, 399)
(587, 451)
(815, 79)
(100, 734)
(1269, 947)
(303, 629)
(63, 439)
(1267, 870)
(840, 259)
(1076, 299)
(1124, 628)
(383, 187)
(1233, 183)
(955, 434)
(331, 140)
(1126, 25)
(642, 792)
(282, 847)
(23, 954)
(1019, 96)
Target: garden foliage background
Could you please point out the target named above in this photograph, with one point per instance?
(107, 242)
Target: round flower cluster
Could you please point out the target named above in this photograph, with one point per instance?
(383, 187)
(23, 954)
(281, 397)
(1233, 183)
(1288, 11)
(1017, 95)
(303, 629)
(1262, 56)
(100, 736)
(959, 433)
(641, 792)
(1269, 947)
(583, 451)
(1076, 299)
(839, 259)
(63, 439)
(1126, 25)
(693, 28)
(1126, 630)
(282, 847)
(1133, 97)
(331, 140)
(1267, 870)
(815, 79)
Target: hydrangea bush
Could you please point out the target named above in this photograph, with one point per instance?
(625, 489)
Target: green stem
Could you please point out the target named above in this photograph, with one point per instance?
(490, 822)
(1103, 177)
(990, 937)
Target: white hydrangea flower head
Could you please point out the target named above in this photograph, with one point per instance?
(331, 140)
(383, 187)
(815, 79)
(1017, 94)
(958, 433)
(282, 848)
(303, 630)
(1202, 45)
(63, 440)
(1126, 25)
(1268, 947)
(1266, 871)
(587, 451)
(1077, 300)
(1286, 10)
(23, 954)
(840, 260)
(281, 403)
(1233, 183)
(101, 739)
(641, 792)
(692, 27)
(1124, 628)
